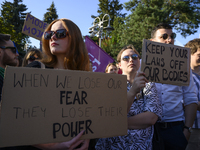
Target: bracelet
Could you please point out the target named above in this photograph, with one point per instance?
(188, 128)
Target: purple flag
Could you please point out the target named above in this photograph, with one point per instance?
(99, 58)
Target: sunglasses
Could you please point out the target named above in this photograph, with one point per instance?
(165, 36)
(32, 58)
(134, 57)
(13, 49)
(62, 33)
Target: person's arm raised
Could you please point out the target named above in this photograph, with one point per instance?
(138, 83)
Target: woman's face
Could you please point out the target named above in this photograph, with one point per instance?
(130, 65)
(112, 69)
(31, 59)
(58, 46)
(195, 59)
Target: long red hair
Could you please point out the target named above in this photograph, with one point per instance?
(76, 56)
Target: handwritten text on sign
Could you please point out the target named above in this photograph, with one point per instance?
(55, 105)
(166, 63)
(34, 27)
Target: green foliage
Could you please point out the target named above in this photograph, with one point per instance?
(111, 45)
(11, 22)
(5, 27)
(184, 16)
(111, 7)
(51, 14)
(95, 39)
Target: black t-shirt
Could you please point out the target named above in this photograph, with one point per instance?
(34, 64)
(37, 64)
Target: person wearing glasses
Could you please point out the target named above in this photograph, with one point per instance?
(143, 108)
(8, 56)
(64, 48)
(194, 45)
(32, 55)
(176, 120)
(111, 68)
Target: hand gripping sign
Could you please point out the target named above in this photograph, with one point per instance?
(48, 106)
(166, 63)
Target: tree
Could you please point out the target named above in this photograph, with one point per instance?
(111, 45)
(184, 16)
(5, 27)
(12, 20)
(51, 14)
(111, 7)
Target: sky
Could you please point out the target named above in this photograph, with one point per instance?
(80, 11)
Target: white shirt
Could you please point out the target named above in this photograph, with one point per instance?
(171, 97)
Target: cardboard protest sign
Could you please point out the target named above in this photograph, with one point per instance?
(34, 27)
(49, 105)
(166, 63)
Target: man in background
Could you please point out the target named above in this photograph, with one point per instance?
(194, 45)
(8, 56)
(177, 119)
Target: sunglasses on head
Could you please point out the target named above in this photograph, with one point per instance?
(32, 58)
(13, 49)
(62, 33)
(165, 36)
(134, 57)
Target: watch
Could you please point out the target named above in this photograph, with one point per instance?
(189, 128)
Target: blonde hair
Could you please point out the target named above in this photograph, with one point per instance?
(31, 52)
(125, 48)
(193, 45)
(110, 64)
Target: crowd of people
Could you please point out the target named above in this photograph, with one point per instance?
(159, 116)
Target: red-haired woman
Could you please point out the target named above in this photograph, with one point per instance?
(64, 48)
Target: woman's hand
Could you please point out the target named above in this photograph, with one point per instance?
(69, 145)
(72, 144)
(139, 82)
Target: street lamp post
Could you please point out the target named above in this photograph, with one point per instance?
(26, 47)
(98, 28)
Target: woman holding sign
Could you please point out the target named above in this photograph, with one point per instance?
(65, 49)
(143, 108)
